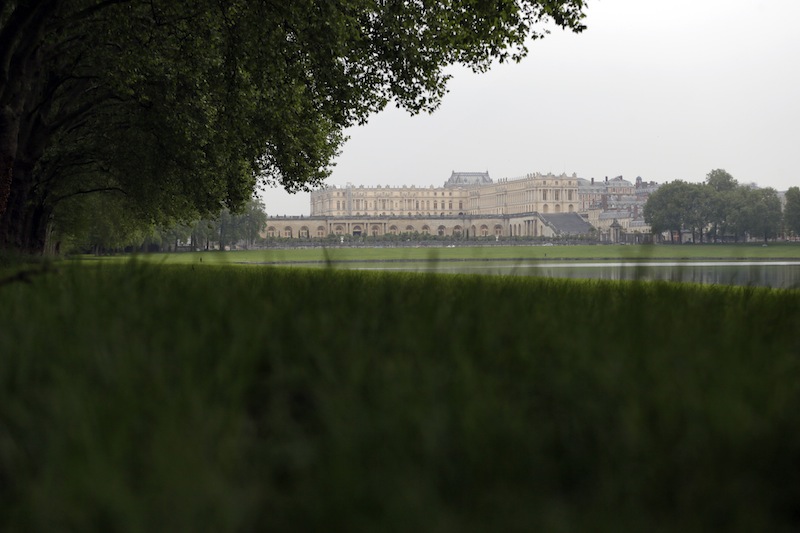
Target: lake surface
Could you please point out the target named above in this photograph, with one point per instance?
(776, 274)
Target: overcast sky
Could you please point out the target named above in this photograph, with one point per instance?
(663, 89)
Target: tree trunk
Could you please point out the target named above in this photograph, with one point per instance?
(6, 176)
(25, 221)
(9, 134)
(24, 214)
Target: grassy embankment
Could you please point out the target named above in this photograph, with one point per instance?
(175, 397)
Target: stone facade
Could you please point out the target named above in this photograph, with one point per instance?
(465, 193)
(470, 204)
(602, 202)
(523, 224)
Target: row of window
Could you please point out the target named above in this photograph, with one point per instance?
(417, 192)
(363, 205)
(339, 229)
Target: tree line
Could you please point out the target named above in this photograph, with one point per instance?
(116, 231)
(720, 209)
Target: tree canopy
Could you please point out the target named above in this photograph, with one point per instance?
(717, 208)
(181, 108)
(792, 210)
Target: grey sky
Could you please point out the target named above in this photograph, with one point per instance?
(663, 89)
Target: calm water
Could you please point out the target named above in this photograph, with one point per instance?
(776, 274)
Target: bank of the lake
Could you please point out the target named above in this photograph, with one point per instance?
(207, 398)
(775, 266)
(328, 255)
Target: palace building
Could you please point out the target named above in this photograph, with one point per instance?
(469, 204)
(465, 193)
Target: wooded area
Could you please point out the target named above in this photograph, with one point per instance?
(169, 111)
(722, 209)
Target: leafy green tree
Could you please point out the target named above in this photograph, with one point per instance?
(755, 212)
(791, 213)
(231, 228)
(766, 215)
(740, 215)
(204, 232)
(100, 223)
(720, 180)
(723, 185)
(253, 223)
(700, 208)
(167, 238)
(665, 209)
(184, 107)
(720, 204)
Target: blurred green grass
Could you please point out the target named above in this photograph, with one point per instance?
(484, 253)
(139, 397)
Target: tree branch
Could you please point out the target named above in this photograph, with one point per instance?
(88, 191)
(91, 10)
(29, 18)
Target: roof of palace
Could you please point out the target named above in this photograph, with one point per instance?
(619, 181)
(468, 178)
(567, 223)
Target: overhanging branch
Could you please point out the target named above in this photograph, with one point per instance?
(88, 191)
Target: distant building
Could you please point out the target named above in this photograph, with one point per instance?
(465, 193)
(469, 204)
(455, 226)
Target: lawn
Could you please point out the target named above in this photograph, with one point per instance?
(140, 397)
(484, 253)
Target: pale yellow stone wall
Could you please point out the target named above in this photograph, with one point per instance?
(388, 201)
(545, 193)
(529, 224)
(508, 207)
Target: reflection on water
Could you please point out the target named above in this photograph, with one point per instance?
(776, 274)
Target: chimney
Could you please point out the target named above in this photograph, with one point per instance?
(592, 181)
